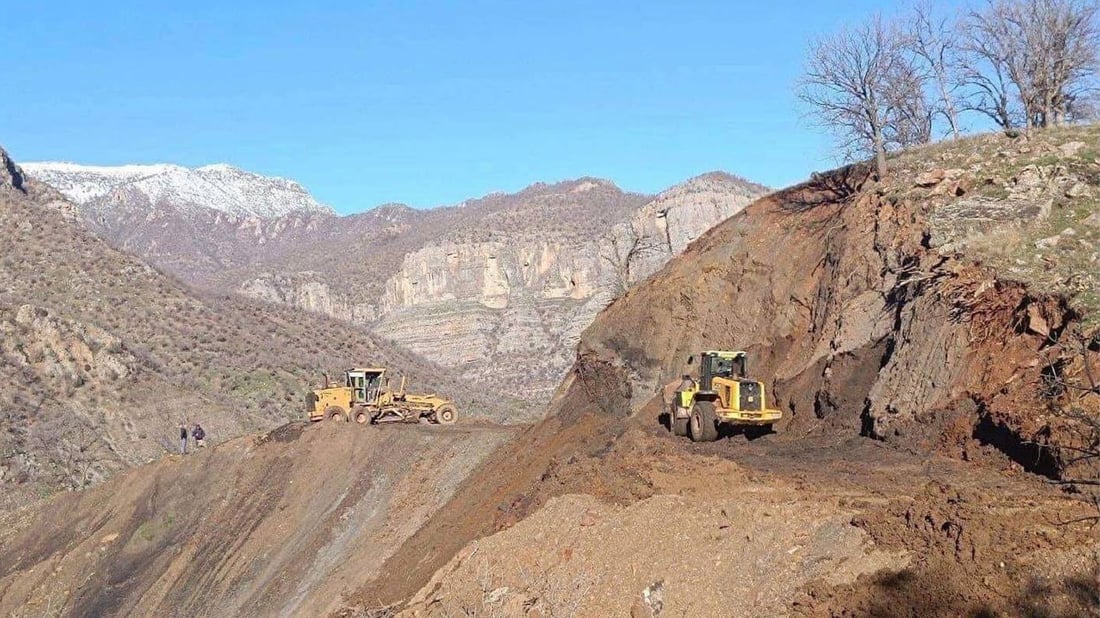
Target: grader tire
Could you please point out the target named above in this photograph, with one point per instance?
(446, 415)
(362, 417)
(336, 413)
(704, 422)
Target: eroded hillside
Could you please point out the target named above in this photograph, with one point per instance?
(915, 473)
(282, 523)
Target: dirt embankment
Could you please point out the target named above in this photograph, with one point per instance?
(280, 524)
(856, 323)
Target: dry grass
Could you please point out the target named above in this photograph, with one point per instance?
(1049, 247)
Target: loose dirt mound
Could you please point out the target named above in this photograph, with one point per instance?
(281, 524)
(714, 542)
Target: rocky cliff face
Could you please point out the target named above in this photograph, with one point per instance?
(498, 288)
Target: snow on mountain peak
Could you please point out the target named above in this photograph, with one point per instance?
(221, 187)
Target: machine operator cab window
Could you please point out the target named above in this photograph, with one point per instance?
(727, 368)
(365, 384)
(722, 365)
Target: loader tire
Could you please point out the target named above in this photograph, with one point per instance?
(704, 422)
(446, 415)
(677, 426)
(336, 413)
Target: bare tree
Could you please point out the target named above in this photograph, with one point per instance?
(988, 86)
(1044, 54)
(1068, 55)
(909, 117)
(933, 40)
(620, 249)
(859, 83)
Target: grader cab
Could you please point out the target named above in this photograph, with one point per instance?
(365, 397)
(723, 394)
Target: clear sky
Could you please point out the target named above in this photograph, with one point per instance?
(422, 102)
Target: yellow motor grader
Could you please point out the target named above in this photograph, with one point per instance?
(366, 398)
(722, 394)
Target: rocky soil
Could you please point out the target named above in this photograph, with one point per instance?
(779, 526)
(889, 352)
(934, 399)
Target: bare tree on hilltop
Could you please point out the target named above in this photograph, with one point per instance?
(933, 41)
(862, 85)
(887, 84)
(1032, 63)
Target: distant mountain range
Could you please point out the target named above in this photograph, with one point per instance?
(220, 187)
(497, 288)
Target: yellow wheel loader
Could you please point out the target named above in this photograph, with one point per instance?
(365, 398)
(722, 394)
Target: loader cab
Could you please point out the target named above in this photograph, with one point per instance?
(365, 384)
(720, 364)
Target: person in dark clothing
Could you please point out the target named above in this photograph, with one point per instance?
(183, 439)
(199, 435)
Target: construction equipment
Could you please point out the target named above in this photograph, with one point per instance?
(723, 394)
(365, 398)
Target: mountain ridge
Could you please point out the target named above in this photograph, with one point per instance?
(219, 187)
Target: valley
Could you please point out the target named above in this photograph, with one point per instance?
(506, 280)
(928, 342)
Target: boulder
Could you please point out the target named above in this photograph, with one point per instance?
(931, 178)
(1070, 149)
(1078, 190)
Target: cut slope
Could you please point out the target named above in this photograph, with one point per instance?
(860, 324)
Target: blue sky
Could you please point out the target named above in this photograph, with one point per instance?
(426, 103)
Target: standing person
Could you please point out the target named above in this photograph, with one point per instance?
(183, 439)
(199, 435)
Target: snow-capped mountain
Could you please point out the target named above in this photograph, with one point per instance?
(219, 187)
